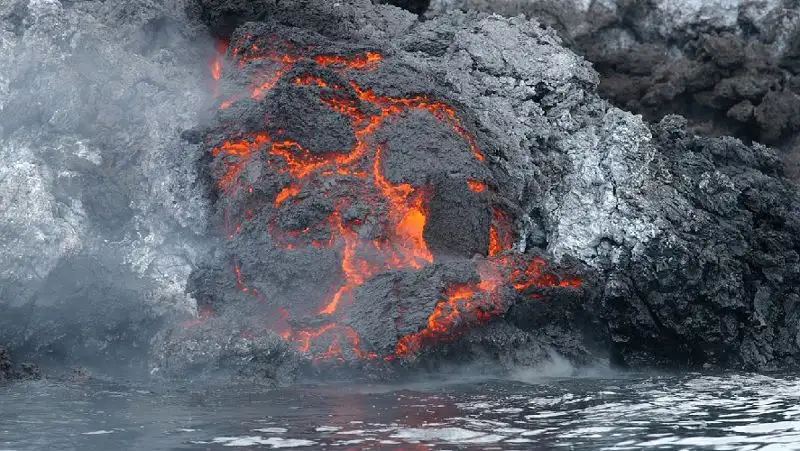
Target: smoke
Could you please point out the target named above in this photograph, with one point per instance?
(100, 215)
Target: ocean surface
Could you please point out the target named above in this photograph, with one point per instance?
(616, 412)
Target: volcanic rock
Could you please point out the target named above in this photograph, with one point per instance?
(728, 66)
(692, 241)
(5, 364)
(338, 182)
(224, 348)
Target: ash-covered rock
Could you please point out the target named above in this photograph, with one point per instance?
(730, 67)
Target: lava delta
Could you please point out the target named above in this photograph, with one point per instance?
(363, 217)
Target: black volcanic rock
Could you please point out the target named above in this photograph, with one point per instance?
(690, 243)
(26, 371)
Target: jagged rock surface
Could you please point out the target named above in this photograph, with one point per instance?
(732, 67)
(694, 240)
(5, 364)
(26, 371)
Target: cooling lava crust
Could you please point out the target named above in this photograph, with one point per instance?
(361, 218)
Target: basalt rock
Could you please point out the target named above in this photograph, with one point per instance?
(686, 248)
(730, 67)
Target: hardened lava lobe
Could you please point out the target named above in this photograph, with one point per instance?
(346, 235)
(364, 221)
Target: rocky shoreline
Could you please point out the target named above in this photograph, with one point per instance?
(692, 241)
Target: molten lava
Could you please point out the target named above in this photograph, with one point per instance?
(533, 276)
(458, 308)
(402, 207)
(476, 185)
(215, 63)
(500, 233)
(202, 315)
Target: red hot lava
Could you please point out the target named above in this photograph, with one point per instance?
(401, 243)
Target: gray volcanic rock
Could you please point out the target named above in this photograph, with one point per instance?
(729, 66)
(224, 347)
(692, 241)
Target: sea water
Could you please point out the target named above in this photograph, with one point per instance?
(617, 412)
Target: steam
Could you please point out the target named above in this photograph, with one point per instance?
(100, 216)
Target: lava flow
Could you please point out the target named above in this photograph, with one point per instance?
(359, 171)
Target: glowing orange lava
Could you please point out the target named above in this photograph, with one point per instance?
(500, 234)
(532, 275)
(476, 185)
(358, 61)
(215, 63)
(403, 206)
(285, 193)
(463, 305)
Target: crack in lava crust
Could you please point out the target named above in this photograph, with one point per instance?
(401, 208)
